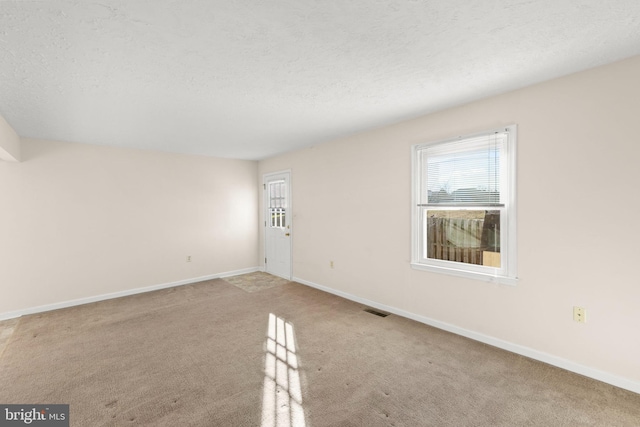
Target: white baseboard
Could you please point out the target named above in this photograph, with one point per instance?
(596, 374)
(87, 300)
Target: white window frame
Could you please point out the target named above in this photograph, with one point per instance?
(507, 273)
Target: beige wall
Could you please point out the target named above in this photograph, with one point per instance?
(9, 142)
(79, 221)
(578, 209)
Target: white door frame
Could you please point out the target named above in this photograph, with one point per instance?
(288, 215)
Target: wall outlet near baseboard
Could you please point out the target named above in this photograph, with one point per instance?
(331, 264)
(580, 314)
(188, 258)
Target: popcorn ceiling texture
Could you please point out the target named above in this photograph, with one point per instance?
(251, 79)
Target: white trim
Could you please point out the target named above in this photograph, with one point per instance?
(512, 235)
(503, 280)
(568, 365)
(87, 300)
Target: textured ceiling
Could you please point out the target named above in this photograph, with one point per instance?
(249, 78)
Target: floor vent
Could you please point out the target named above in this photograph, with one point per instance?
(376, 312)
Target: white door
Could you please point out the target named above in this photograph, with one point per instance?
(277, 223)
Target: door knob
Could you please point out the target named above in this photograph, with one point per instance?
(286, 234)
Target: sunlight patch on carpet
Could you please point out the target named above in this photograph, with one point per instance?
(282, 393)
(6, 330)
(254, 282)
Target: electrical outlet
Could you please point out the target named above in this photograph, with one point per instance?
(580, 314)
(188, 258)
(331, 264)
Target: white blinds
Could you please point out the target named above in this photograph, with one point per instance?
(277, 198)
(464, 173)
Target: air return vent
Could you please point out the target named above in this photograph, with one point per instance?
(376, 312)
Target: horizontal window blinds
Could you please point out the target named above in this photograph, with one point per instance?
(466, 173)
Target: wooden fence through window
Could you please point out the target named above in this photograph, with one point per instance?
(455, 239)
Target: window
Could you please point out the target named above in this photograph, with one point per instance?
(464, 206)
(277, 204)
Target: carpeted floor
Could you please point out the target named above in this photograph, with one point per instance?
(6, 330)
(254, 282)
(212, 354)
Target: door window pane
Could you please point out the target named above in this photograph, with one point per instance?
(277, 204)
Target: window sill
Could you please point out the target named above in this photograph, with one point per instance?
(503, 280)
